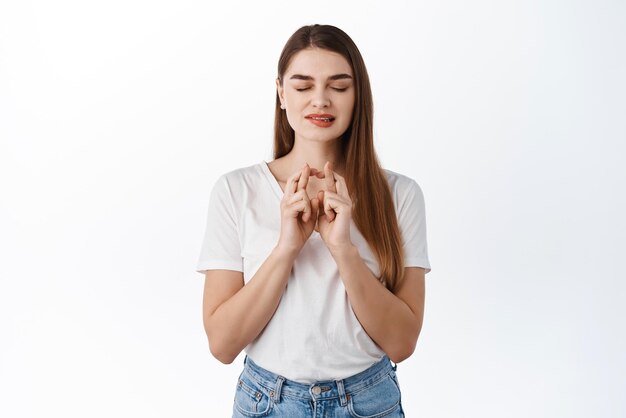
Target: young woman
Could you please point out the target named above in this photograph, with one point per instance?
(315, 261)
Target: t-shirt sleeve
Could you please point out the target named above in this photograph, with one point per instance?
(412, 223)
(221, 249)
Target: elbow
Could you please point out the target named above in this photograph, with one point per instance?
(401, 353)
(220, 354)
(403, 349)
(222, 348)
(219, 346)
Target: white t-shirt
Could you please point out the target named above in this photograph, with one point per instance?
(314, 334)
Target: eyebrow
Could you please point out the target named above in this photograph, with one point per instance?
(332, 77)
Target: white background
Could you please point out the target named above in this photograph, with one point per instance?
(117, 117)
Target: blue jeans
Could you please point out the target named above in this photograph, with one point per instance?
(372, 393)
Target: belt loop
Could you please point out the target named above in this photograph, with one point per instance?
(342, 393)
(395, 366)
(278, 389)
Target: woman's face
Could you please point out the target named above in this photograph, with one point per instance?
(318, 94)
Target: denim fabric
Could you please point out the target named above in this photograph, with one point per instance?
(373, 393)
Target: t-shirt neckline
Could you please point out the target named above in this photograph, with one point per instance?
(273, 182)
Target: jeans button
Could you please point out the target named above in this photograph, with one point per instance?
(316, 390)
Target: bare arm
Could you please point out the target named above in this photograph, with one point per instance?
(234, 314)
(393, 321)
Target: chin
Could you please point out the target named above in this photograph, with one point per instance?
(323, 138)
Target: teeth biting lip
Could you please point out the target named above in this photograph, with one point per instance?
(323, 118)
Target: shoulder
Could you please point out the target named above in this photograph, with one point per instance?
(243, 177)
(247, 172)
(402, 186)
(408, 200)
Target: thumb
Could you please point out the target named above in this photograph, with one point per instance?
(315, 205)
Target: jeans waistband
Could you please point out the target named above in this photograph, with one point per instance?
(278, 386)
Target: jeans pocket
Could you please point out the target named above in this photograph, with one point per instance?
(251, 400)
(380, 399)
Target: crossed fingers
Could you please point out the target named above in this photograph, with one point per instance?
(335, 196)
(296, 198)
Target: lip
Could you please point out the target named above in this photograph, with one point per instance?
(320, 115)
(323, 120)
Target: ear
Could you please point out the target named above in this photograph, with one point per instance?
(280, 90)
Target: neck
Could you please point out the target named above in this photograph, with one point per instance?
(316, 154)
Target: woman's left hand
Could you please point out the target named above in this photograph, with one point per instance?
(335, 213)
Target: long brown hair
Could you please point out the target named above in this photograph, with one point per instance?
(373, 210)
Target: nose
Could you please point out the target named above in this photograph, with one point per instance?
(321, 98)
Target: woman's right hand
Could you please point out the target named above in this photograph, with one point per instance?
(298, 213)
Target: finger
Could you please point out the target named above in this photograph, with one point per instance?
(299, 195)
(321, 197)
(342, 187)
(294, 209)
(329, 177)
(306, 215)
(317, 173)
(328, 210)
(311, 210)
(337, 203)
(315, 210)
(290, 187)
(315, 207)
(304, 178)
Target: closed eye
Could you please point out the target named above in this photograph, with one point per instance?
(334, 88)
